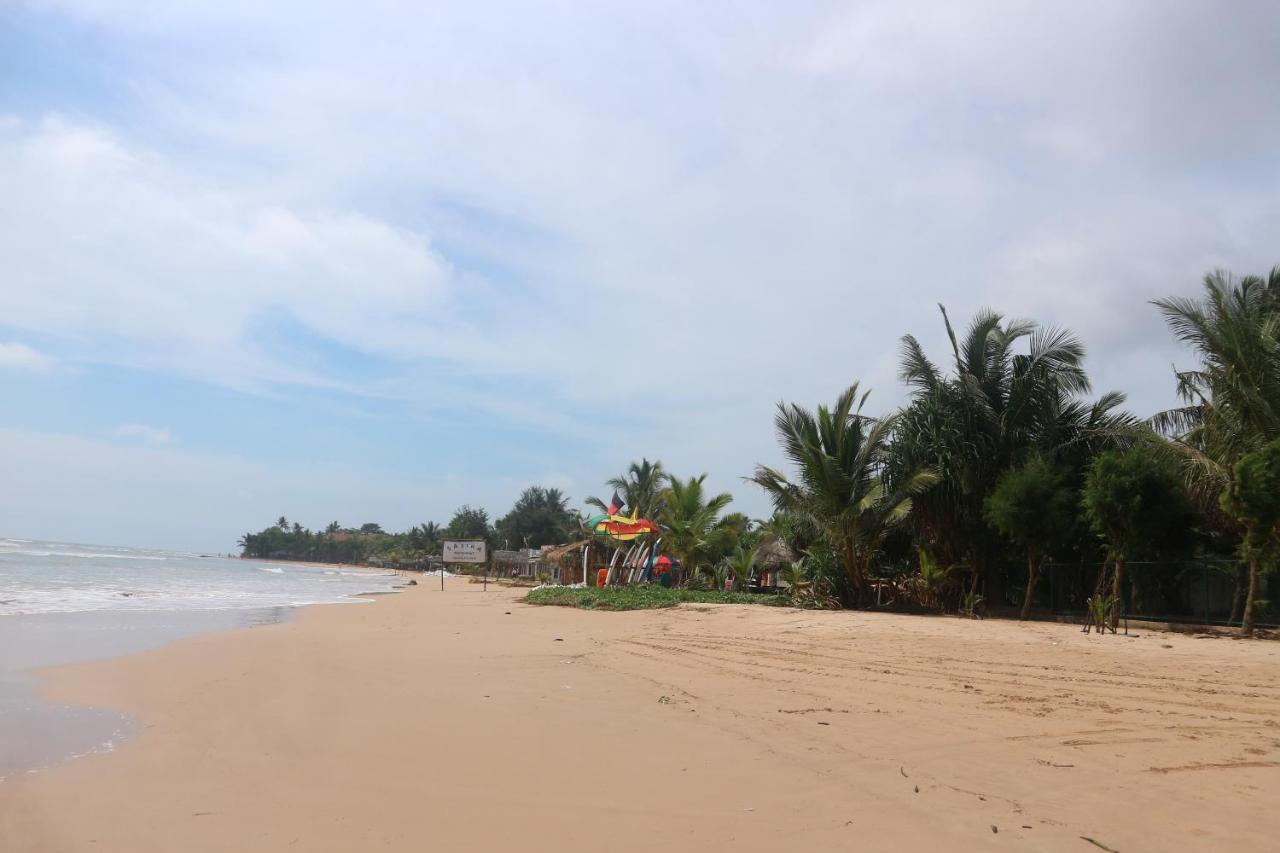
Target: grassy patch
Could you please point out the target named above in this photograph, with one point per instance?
(641, 597)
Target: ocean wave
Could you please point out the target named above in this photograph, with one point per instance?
(51, 577)
(162, 604)
(84, 554)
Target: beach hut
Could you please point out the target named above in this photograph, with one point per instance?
(563, 563)
(773, 556)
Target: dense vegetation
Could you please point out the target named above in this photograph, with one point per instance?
(644, 597)
(540, 517)
(1002, 463)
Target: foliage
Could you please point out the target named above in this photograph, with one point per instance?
(999, 406)
(469, 522)
(425, 538)
(814, 581)
(839, 457)
(641, 597)
(334, 545)
(1232, 397)
(931, 582)
(1135, 501)
(741, 564)
(640, 487)
(971, 604)
(693, 529)
(1253, 497)
(540, 517)
(1099, 608)
(797, 531)
(1031, 506)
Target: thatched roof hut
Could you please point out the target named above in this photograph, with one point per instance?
(775, 552)
(564, 562)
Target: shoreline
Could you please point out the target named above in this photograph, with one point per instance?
(469, 720)
(39, 733)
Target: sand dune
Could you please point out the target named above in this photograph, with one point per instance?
(466, 720)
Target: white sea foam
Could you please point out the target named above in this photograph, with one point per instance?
(57, 578)
(85, 555)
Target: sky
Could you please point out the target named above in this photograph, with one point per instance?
(371, 261)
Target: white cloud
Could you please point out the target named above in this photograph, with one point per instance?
(13, 354)
(739, 207)
(145, 434)
(126, 248)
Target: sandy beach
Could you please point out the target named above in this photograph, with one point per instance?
(467, 720)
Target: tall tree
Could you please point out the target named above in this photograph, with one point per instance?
(640, 487)
(469, 522)
(1134, 500)
(1031, 506)
(690, 520)
(1254, 497)
(539, 517)
(1231, 398)
(1001, 404)
(839, 456)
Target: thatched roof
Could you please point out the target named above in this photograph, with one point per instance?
(552, 555)
(775, 552)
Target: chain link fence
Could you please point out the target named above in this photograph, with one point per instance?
(1207, 592)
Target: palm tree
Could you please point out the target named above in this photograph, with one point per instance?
(640, 487)
(839, 455)
(1232, 400)
(741, 564)
(999, 407)
(691, 520)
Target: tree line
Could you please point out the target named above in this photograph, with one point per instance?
(1005, 452)
(539, 517)
(1002, 460)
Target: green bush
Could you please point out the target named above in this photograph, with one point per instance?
(644, 597)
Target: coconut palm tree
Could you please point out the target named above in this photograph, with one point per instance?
(640, 487)
(740, 565)
(1232, 399)
(691, 520)
(839, 456)
(1000, 405)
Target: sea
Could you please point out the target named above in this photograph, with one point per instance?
(65, 603)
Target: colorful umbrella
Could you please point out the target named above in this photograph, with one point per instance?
(621, 528)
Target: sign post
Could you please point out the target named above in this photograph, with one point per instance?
(470, 551)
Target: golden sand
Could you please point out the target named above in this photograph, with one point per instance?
(466, 720)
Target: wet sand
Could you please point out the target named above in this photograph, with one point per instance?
(467, 720)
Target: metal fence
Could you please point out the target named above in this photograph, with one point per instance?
(1208, 592)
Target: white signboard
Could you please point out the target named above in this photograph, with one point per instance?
(464, 551)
